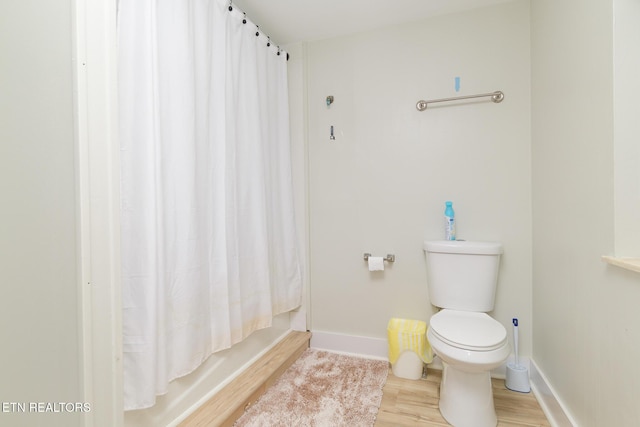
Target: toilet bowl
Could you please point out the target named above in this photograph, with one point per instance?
(470, 345)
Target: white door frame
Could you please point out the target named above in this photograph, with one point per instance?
(97, 177)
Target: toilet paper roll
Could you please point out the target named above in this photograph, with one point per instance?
(376, 263)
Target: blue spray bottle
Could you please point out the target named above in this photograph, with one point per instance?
(450, 222)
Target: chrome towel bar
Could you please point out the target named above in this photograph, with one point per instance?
(496, 97)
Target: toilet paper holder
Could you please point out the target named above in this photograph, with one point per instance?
(389, 257)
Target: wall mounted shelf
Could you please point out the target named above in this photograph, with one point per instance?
(632, 264)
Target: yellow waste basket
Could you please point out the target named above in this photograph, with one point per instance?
(408, 347)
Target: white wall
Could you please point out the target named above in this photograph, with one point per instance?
(380, 187)
(626, 127)
(38, 251)
(586, 337)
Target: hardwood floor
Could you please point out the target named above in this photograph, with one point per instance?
(415, 403)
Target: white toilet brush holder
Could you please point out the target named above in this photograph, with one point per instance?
(517, 375)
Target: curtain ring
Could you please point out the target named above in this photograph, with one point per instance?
(268, 41)
(230, 6)
(258, 30)
(244, 20)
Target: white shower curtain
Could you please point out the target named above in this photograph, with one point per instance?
(208, 234)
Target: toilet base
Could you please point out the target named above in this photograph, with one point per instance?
(466, 399)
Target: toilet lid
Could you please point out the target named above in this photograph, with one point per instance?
(468, 330)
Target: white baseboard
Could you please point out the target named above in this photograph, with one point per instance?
(552, 407)
(371, 348)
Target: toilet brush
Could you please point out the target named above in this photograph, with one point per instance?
(517, 375)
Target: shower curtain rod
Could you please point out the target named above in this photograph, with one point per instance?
(496, 97)
(244, 21)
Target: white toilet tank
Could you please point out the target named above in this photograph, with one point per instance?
(462, 275)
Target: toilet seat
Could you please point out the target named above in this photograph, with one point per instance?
(468, 330)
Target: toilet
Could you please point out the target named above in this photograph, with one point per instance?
(461, 278)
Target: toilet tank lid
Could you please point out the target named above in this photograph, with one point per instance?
(463, 247)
